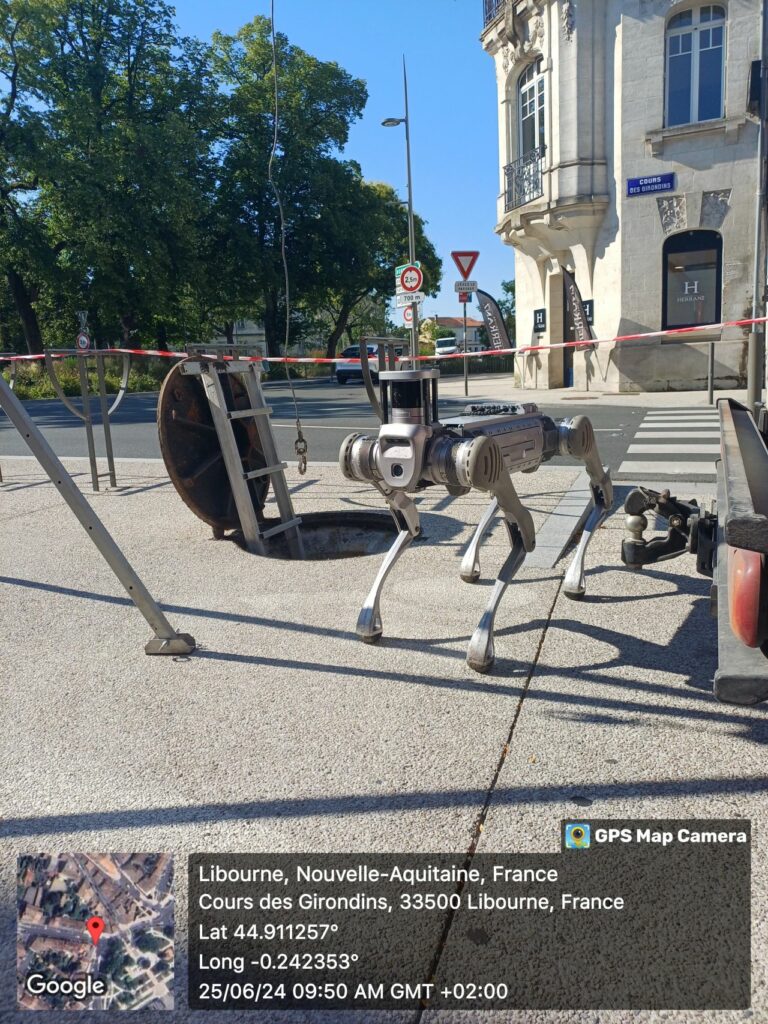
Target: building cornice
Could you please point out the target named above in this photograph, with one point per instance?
(656, 140)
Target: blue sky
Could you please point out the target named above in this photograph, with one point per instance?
(452, 96)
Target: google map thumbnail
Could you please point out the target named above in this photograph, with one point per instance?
(95, 931)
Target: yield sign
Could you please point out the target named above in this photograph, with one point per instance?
(465, 261)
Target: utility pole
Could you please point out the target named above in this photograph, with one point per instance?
(411, 231)
(392, 122)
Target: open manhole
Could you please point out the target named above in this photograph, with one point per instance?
(330, 535)
(193, 457)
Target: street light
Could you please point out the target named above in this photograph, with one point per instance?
(394, 122)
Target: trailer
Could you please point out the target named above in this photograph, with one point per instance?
(730, 543)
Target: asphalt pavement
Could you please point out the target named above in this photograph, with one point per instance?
(328, 412)
(283, 732)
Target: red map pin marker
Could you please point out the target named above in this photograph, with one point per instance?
(95, 926)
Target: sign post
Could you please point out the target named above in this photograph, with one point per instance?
(83, 340)
(465, 260)
(409, 278)
(466, 360)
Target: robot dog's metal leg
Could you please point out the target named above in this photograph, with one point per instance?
(486, 472)
(470, 563)
(574, 585)
(577, 438)
(406, 516)
(481, 653)
(369, 627)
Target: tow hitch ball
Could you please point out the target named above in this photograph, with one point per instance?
(691, 529)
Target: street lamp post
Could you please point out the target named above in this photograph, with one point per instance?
(393, 122)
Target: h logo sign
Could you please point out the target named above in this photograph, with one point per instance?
(691, 287)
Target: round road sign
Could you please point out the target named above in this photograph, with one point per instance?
(408, 315)
(411, 278)
(83, 341)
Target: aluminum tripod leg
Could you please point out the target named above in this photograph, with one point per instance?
(406, 516)
(574, 585)
(470, 563)
(166, 639)
(481, 653)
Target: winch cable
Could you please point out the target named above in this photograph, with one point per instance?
(300, 445)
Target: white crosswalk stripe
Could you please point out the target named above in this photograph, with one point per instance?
(683, 442)
(694, 434)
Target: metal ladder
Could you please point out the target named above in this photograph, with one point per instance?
(210, 369)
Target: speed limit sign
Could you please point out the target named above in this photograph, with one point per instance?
(408, 315)
(83, 342)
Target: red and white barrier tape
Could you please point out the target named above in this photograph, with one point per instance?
(320, 360)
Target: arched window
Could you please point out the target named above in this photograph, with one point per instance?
(695, 65)
(530, 89)
(693, 279)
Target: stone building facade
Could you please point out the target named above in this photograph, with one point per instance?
(628, 157)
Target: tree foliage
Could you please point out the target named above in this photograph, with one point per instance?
(109, 145)
(135, 182)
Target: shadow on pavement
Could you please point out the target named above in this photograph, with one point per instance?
(369, 803)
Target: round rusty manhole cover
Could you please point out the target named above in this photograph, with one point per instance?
(191, 451)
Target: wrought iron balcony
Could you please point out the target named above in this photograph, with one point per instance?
(492, 9)
(524, 179)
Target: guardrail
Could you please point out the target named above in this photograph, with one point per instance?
(49, 358)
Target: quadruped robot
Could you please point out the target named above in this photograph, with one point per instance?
(479, 450)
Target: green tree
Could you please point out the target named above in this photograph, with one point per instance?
(362, 234)
(318, 101)
(129, 104)
(430, 331)
(22, 150)
(134, 183)
(508, 307)
(107, 114)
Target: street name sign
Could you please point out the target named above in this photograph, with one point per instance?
(653, 183)
(465, 259)
(406, 298)
(401, 268)
(465, 286)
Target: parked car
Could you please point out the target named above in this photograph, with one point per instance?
(447, 346)
(353, 371)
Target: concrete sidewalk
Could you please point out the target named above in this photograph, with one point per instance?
(492, 387)
(285, 733)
